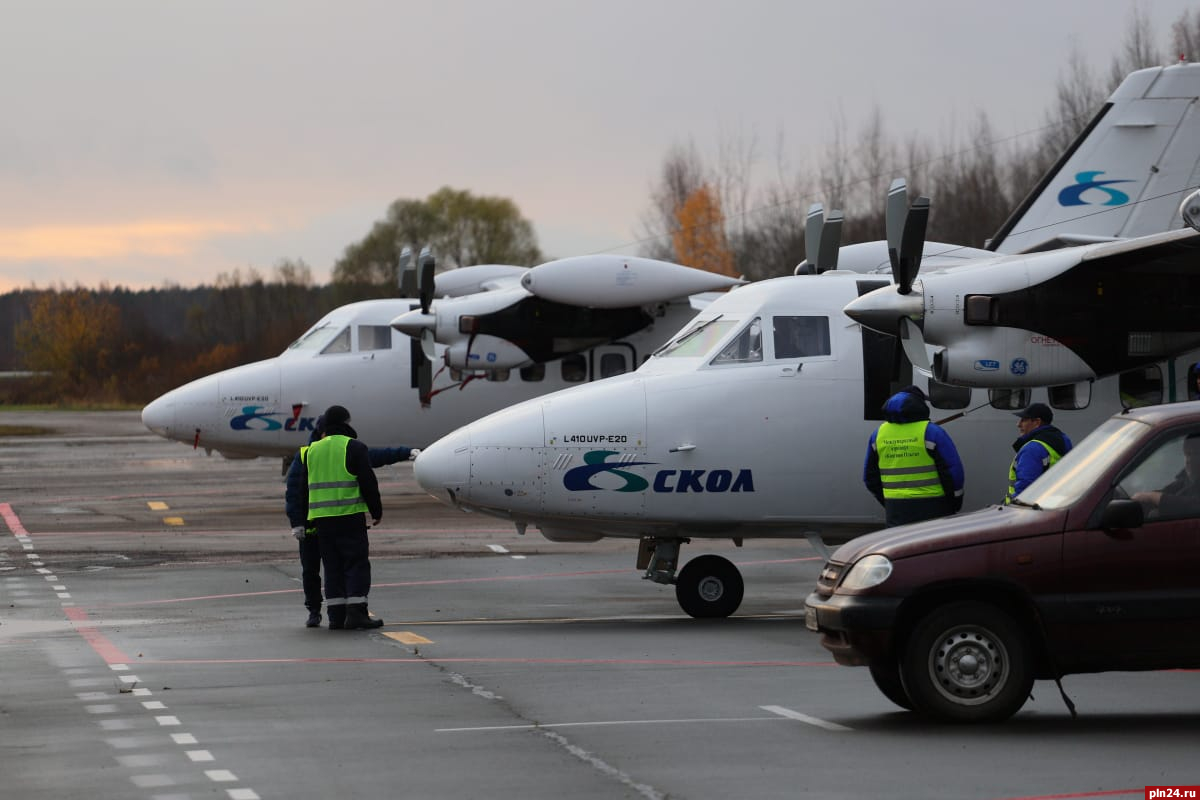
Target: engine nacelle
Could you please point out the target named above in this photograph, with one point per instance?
(611, 281)
(485, 353)
(996, 358)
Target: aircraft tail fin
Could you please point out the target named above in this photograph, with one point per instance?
(1126, 173)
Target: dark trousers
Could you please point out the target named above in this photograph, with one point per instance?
(310, 571)
(343, 542)
(902, 512)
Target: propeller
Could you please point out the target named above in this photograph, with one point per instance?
(905, 234)
(404, 275)
(822, 238)
(426, 265)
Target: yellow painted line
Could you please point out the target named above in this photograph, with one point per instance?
(173, 520)
(408, 637)
(157, 505)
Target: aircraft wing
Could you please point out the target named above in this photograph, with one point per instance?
(514, 319)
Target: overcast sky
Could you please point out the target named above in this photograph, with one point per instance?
(147, 143)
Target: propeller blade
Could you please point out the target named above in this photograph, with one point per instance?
(425, 381)
(428, 345)
(912, 338)
(425, 265)
(912, 243)
(814, 223)
(831, 242)
(897, 207)
(404, 273)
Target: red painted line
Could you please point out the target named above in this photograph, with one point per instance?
(99, 642)
(12, 521)
(1111, 793)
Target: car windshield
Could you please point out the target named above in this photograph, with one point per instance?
(699, 339)
(1079, 469)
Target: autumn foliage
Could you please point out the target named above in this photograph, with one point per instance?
(699, 240)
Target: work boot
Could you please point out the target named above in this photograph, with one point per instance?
(358, 619)
(314, 618)
(337, 617)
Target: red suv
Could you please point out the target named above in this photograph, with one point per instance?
(1094, 567)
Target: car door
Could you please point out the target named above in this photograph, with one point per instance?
(1133, 594)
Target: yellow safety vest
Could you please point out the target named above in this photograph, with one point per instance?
(1012, 468)
(332, 490)
(906, 467)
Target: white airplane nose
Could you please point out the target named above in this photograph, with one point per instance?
(159, 416)
(444, 468)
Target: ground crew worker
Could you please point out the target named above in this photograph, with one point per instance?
(912, 467)
(296, 507)
(1038, 448)
(341, 488)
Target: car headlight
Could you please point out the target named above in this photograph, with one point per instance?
(867, 572)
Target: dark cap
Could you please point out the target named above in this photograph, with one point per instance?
(1037, 411)
(336, 415)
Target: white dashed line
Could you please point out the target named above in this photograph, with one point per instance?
(805, 718)
(167, 721)
(220, 775)
(184, 738)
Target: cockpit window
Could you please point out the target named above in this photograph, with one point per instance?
(698, 339)
(745, 348)
(374, 337)
(315, 338)
(799, 337)
(339, 344)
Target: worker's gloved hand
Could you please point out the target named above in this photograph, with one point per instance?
(298, 532)
(412, 454)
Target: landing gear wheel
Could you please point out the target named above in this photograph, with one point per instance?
(709, 586)
(967, 662)
(886, 675)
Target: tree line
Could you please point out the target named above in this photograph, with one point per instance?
(114, 345)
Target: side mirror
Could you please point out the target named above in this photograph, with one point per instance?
(1122, 514)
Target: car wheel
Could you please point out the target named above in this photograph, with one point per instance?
(709, 586)
(886, 675)
(967, 662)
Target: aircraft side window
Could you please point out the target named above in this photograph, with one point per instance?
(799, 337)
(574, 368)
(1193, 382)
(1141, 387)
(612, 364)
(340, 343)
(1072, 396)
(1009, 399)
(533, 373)
(943, 395)
(746, 347)
(498, 375)
(374, 337)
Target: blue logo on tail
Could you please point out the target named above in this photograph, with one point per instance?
(1084, 181)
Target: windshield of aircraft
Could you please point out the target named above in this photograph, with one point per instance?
(1079, 469)
(318, 336)
(699, 339)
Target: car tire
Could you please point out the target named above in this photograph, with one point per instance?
(886, 675)
(709, 586)
(967, 662)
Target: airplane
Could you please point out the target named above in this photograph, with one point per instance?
(753, 421)
(354, 357)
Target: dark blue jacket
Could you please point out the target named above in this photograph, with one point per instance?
(907, 407)
(1031, 462)
(295, 495)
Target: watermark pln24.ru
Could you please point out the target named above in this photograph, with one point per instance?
(1173, 793)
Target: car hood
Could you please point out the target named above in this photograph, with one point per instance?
(991, 524)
